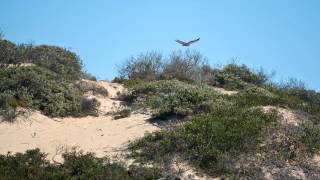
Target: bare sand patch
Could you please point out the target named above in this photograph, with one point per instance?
(224, 92)
(102, 135)
(286, 116)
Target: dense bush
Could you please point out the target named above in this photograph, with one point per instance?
(86, 86)
(132, 82)
(7, 52)
(310, 137)
(77, 165)
(129, 83)
(176, 97)
(256, 96)
(144, 67)
(47, 85)
(191, 67)
(210, 142)
(87, 75)
(123, 113)
(222, 127)
(59, 60)
(295, 95)
(227, 81)
(245, 74)
(237, 77)
(171, 97)
(1, 35)
(89, 107)
(184, 66)
(219, 127)
(39, 88)
(8, 107)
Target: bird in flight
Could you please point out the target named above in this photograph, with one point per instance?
(187, 43)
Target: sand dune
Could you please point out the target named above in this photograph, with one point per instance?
(102, 135)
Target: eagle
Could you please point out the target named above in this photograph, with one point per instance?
(187, 43)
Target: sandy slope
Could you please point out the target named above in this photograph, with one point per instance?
(105, 136)
(101, 135)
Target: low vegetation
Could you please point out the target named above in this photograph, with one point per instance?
(295, 95)
(123, 113)
(218, 130)
(58, 60)
(188, 66)
(217, 127)
(48, 84)
(89, 86)
(77, 165)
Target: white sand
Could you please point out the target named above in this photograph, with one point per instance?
(286, 116)
(223, 91)
(101, 135)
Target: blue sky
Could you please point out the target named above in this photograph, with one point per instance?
(278, 35)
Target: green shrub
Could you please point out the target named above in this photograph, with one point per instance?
(89, 107)
(132, 82)
(310, 137)
(61, 61)
(7, 52)
(77, 165)
(39, 88)
(89, 76)
(1, 34)
(86, 86)
(245, 74)
(294, 95)
(7, 100)
(123, 113)
(255, 96)
(237, 77)
(119, 80)
(171, 97)
(229, 129)
(144, 67)
(227, 81)
(8, 105)
(31, 165)
(208, 141)
(191, 67)
(100, 90)
(128, 83)
(46, 86)
(22, 53)
(185, 66)
(175, 97)
(220, 128)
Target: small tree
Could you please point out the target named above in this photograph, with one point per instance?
(58, 60)
(145, 67)
(1, 34)
(23, 52)
(185, 66)
(245, 74)
(8, 107)
(7, 52)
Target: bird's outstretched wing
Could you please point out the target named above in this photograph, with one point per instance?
(193, 41)
(181, 42)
